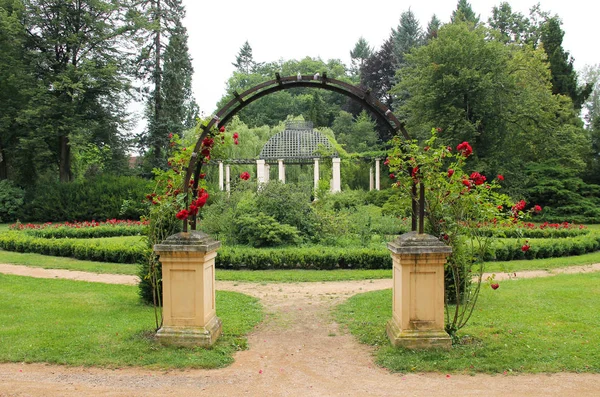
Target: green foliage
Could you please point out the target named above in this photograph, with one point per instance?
(290, 205)
(355, 134)
(318, 106)
(315, 257)
(89, 232)
(11, 200)
(511, 249)
(98, 198)
(103, 325)
(563, 195)
(96, 250)
(478, 89)
(260, 230)
(524, 326)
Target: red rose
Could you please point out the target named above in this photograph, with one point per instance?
(426, 148)
(170, 136)
(201, 200)
(465, 149)
(386, 162)
(500, 177)
(208, 142)
(414, 172)
(525, 248)
(235, 141)
(193, 210)
(205, 152)
(537, 208)
(500, 207)
(222, 129)
(236, 135)
(183, 214)
(202, 176)
(245, 176)
(494, 285)
(450, 172)
(477, 178)
(392, 176)
(466, 182)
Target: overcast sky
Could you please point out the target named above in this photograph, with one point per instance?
(329, 29)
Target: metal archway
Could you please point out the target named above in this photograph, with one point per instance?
(242, 100)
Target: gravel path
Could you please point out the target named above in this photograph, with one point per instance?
(297, 351)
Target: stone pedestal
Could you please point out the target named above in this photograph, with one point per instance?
(188, 278)
(418, 295)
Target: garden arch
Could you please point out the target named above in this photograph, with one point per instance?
(240, 101)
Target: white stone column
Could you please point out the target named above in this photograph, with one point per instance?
(220, 175)
(336, 185)
(260, 171)
(316, 174)
(377, 174)
(267, 172)
(371, 179)
(227, 178)
(281, 170)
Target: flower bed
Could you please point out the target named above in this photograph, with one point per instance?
(530, 230)
(91, 229)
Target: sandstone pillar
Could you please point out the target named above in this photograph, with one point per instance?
(260, 171)
(281, 171)
(220, 175)
(418, 292)
(316, 174)
(336, 185)
(377, 174)
(188, 278)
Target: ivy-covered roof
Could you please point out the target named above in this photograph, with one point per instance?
(297, 141)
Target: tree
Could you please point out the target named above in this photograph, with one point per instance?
(15, 80)
(512, 27)
(497, 97)
(564, 76)
(356, 134)
(378, 72)
(76, 48)
(244, 62)
(407, 36)
(464, 13)
(361, 52)
(158, 22)
(432, 28)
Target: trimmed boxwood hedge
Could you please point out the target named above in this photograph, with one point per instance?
(80, 249)
(312, 257)
(88, 232)
(534, 233)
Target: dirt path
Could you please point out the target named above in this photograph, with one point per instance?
(297, 351)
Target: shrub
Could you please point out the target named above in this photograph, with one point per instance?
(291, 205)
(86, 250)
(98, 198)
(264, 231)
(11, 200)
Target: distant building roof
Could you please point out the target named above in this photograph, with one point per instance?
(297, 141)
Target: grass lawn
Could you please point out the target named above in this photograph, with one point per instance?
(78, 323)
(529, 325)
(57, 262)
(543, 264)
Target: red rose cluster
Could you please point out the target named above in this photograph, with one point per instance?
(465, 149)
(245, 176)
(477, 178)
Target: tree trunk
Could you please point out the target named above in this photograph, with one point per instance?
(3, 165)
(157, 85)
(65, 159)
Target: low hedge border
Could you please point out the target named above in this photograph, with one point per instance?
(317, 257)
(75, 248)
(548, 248)
(89, 232)
(534, 233)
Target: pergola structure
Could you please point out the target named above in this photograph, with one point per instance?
(299, 143)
